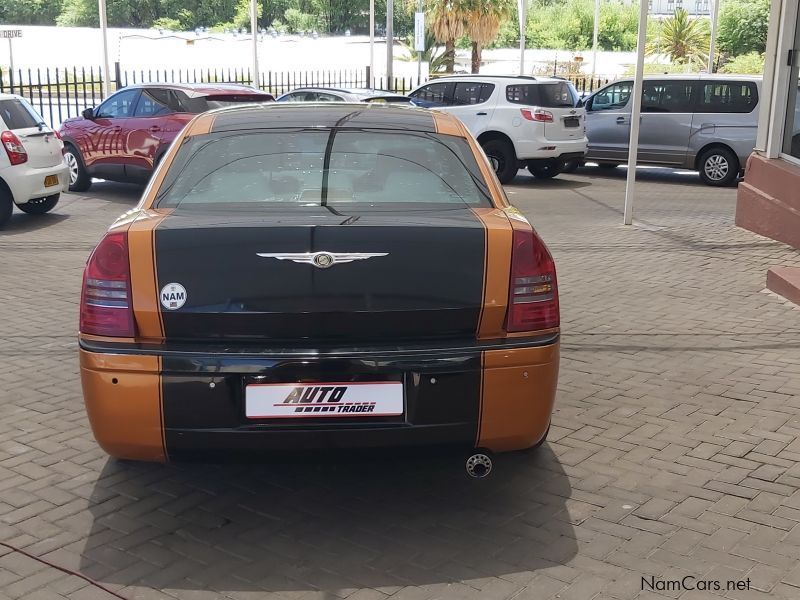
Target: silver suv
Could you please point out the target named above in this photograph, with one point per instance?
(531, 122)
(705, 123)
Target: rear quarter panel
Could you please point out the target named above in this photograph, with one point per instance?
(735, 130)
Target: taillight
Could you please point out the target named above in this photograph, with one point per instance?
(533, 294)
(14, 148)
(106, 296)
(543, 116)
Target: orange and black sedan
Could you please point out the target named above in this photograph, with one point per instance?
(328, 276)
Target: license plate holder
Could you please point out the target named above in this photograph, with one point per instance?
(50, 180)
(323, 400)
(572, 122)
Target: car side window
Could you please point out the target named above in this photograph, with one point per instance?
(727, 97)
(435, 94)
(323, 97)
(467, 93)
(614, 97)
(119, 105)
(667, 96)
(154, 102)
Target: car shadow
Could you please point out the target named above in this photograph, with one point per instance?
(112, 191)
(21, 222)
(561, 181)
(336, 525)
(651, 174)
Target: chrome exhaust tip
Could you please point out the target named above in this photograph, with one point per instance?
(479, 465)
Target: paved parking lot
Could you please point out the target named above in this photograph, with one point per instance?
(674, 450)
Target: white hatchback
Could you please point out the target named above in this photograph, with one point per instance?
(531, 122)
(32, 169)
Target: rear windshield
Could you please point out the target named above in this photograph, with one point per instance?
(18, 114)
(323, 167)
(204, 103)
(547, 95)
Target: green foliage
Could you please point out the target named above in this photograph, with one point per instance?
(751, 63)
(743, 26)
(29, 12)
(300, 21)
(168, 24)
(242, 16)
(684, 40)
(132, 13)
(568, 24)
(434, 54)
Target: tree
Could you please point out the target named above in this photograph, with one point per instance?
(743, 26)
(483, 20)
(447, 24)
(684, 40)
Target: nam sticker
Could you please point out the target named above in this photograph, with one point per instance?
(173, 296)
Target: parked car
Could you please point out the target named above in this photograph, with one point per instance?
(519, 121)
(352, 277)
(325, 94)
(706, 123)
(32, 169)
(125, 137)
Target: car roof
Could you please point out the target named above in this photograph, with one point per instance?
(327, 115)
(202, 89)
(354, 91)
(694, 77)
(507, 78)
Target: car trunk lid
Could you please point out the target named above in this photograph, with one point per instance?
(249, 277)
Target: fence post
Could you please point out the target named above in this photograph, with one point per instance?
(117, 76)
(369, 77)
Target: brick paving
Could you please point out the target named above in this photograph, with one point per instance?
(674, 450)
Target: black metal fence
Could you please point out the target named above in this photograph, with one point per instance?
(60, 93)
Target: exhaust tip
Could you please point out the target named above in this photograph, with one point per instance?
(479, 465)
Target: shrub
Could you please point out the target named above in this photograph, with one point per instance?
(751, 63)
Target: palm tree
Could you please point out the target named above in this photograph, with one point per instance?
(684, 40)
(432, 55)
(447, 24)
(483, 20)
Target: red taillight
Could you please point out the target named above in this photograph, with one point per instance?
(106, 307)
(533, 294)
(14, 148)
(543, 116)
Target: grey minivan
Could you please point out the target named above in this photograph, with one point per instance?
(706, 123)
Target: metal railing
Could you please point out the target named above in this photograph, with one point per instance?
(61, 93)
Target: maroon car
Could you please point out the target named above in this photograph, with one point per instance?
(124, 138)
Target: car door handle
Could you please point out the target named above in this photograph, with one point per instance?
(155, 128)
(621, 120)
(481, 114)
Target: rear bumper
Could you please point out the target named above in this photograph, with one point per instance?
(27, 183)
(538, 148)
(174, 404)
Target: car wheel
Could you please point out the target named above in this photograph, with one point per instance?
(504, 162)
(545, 169)
(718, 167)
(6, 205)
(79, 180)
(39, 206)
(571, 165)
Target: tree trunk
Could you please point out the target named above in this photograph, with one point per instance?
(450, 55)
(476, 57)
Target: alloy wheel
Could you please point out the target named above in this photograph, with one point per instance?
(716, 167)
(72, 165)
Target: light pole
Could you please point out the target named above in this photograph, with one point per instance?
(390, 44)
(711, 48)
(522, 9)
(104, 35)
(371, 83)
(636, 111)
(254, 31)
(595, 34)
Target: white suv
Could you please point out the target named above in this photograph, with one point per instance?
(32, 169)
(519, 121)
